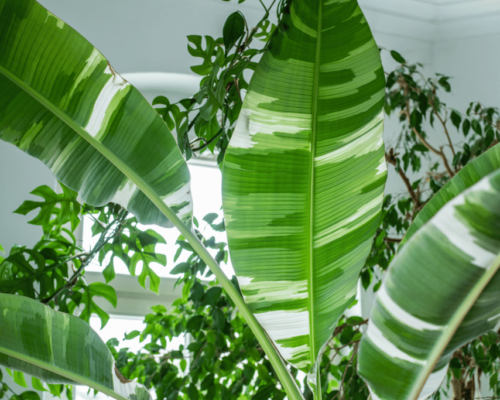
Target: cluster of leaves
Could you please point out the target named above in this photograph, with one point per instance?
(26, 395)
(41, 271)
(206, 120)
(473, 360)
(130, 244)
(424, 116)
(221, 358)
(52, 271)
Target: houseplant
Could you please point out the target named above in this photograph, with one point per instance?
(140, 185)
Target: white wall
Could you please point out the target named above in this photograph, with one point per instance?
(474, 64)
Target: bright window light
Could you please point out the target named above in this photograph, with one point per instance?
(206, 189)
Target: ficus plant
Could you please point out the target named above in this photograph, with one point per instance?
(304, 168)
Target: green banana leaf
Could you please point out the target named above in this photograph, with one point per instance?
(440, 292)
(62, 102)
(59, 348)
(472, 173)
(304, 174)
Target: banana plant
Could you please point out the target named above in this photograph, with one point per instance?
(440, 292)
(304, 176)
(59, 348)
(63, 103)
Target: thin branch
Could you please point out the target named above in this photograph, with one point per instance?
(207, 143)
(341, 390)
(393, 240)
(391, 159)
(440, 152)
(193, 122)
(103, 239)
(444, 126)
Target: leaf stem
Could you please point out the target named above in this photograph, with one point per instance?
(286, 379)
(439, 153)
(100, 244)
(444, 126)
(391, 159)
(317, 390)
(452, 326)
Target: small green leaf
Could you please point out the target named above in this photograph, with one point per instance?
(210, 218)
(264, 393)
(219, 319)
(132, 335)
(183, 364)
(193, 393)
(161, 100)
(194, 324)
(109, 272)
(30, 395)
(197, 291)
(105, 291)
(398, 57)
(443, 82)
(212, 296)
(19, 379)
(456, 118)
(466, 127)
(37, 384)
(233, 30)
(476, 126)
(180, 268)
(159, 309)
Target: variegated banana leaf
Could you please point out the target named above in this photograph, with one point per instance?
(440, 292)
(62, 102)
(59, 348)
(472, 173)
(304, 174)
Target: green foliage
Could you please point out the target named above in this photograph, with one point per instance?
(211, 113)
(223, 360)
(56, 209)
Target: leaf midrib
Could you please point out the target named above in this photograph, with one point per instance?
(108, 154)
(63, 372)
(314, 129)
(452, 327)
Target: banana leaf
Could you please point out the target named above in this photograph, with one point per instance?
(304, 174)
(59, 348)
(440, 292)
(472, 173)
(63, 103)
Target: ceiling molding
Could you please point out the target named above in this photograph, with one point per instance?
(433, 20)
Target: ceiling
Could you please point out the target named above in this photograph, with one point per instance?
(434, 20)
(428, 19)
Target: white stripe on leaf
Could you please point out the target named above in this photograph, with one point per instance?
(458, 234)
(362, 215)
(107, 102)
(375, 335)
(403, 316)
(272, 291)
(368, 139)
(284, 324)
